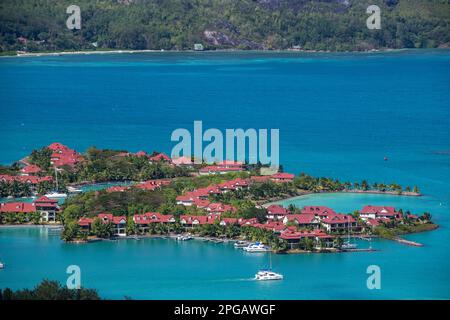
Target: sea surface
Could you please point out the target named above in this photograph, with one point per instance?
(339, 115)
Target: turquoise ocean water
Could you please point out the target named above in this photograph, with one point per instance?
(338, 115)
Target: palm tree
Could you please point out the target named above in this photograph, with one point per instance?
(338, 242)
(364, 185)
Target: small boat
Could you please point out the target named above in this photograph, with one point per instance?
(2, 265)
(184, 238)
(256, 247)
(56, 195)
(240, 244)
(265, 275)
(386, 159)
(74, 190)
(348, 245)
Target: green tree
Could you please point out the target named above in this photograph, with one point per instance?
(70, 231)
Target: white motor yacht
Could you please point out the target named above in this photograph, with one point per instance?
(56, 195)
(240, 244)
(265, 275)
(256, 247)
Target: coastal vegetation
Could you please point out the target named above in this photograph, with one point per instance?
(393, 230)
(250, 24)
(49, 290)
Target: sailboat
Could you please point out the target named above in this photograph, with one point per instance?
(56, 193)
(347, 244)
(268, 274)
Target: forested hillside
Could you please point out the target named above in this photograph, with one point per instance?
(40, 25)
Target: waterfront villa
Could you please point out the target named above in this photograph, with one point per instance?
(304, 220)
(378, 212)
(276, 212)
(318, 211)
(143, 221)
(339, 223)
(118, 223)
(319, 237)
(47, 208)
(189, 221)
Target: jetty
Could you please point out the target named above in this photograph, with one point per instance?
(408, 242)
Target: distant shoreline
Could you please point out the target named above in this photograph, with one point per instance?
(130, 51)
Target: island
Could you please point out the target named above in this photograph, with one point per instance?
(154, 195)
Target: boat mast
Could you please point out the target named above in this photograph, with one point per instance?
(270, 260)
(56, 176)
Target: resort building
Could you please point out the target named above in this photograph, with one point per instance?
(218, 208)
(47, 208)
(63, 155)
(276, 212)
(153, 184)
(185, 200)
(377, 212)
(319, 211)
(283, 177)
(119, 223)
(30, 170)
(304, 220)
(294, 238)
(143, 221)
(340, 223)
(189, 221)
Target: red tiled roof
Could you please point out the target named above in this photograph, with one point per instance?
(260, 178)
(339, 218)
(283, 176)
(62, 155)
(230, 163)
(46, 199)
(220, 207)
(23, 207)
(296, 235)
(30, 169)
(318, 210)
(220, 169)
(25, 179)
(304, 218)
(160, 157)
(182, 161)
(83, 222)
(277, 210)
(369, 209)
(140, 153)
(117, 188)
